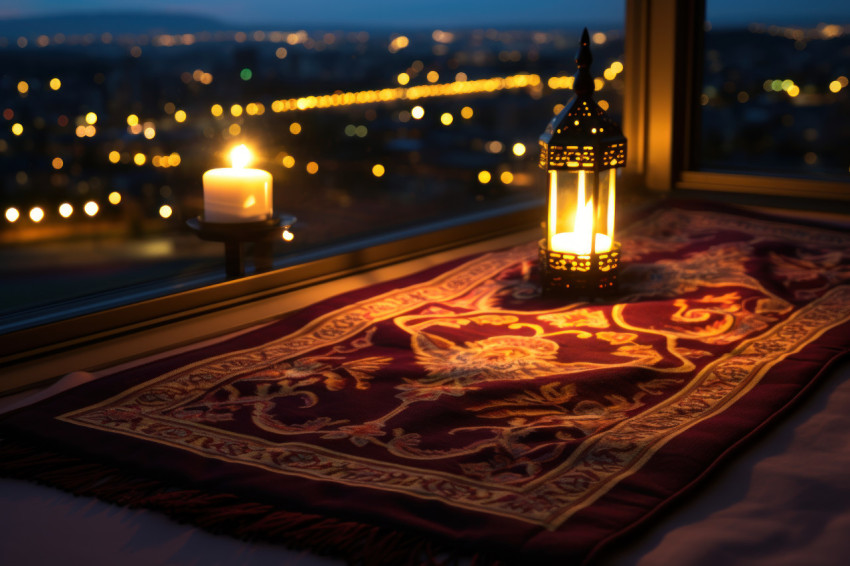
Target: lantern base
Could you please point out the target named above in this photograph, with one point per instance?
(578, 275)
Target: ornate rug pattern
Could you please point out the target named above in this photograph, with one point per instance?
(460, 406)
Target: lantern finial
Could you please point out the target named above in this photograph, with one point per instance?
(583, 84)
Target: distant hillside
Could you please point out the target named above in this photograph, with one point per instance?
(133, 22)
(114, 23)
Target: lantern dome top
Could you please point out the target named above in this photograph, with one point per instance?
(582, 136)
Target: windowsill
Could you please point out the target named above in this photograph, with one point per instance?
(212, 324)
(188, 332)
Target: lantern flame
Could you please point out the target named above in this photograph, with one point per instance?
(240, 156)
(579, 240)
(583, 227)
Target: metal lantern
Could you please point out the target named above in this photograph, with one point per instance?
(581, 149)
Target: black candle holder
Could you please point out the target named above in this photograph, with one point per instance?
(261, 233)
(578, 275)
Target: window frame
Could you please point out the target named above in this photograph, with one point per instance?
(664, 62)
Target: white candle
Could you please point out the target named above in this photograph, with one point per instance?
(579, 243)
(237, 194)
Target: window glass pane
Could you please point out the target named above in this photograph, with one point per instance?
(776, 93)
(108, 124)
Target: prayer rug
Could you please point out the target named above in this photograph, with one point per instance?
(457, 412)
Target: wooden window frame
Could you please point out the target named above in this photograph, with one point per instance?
(664, 69)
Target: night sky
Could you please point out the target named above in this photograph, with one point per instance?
(445, 13)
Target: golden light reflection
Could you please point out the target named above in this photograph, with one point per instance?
(417, 112)
(378, 170)
(91, 118)
(288, 236)
(494, 146)
(36, 214)
(556, 83)
(12, 214)
(23, 87)
(446, 118)
(65, 210)
(114, 198)
(518, 149)
(466, 112)
(57, 163)
(456, 88)
(165, 211)
(114, 156)
(312, 168)
(398, 43)
(132, 120)
(91, 208)
(216, 110)
(506, 177)
(139, 159)
(180, 116)
(831, 31)
(484, 177)
(403, 78)
(442, 36)
(288, 162)
(17, 129)
(55, 83)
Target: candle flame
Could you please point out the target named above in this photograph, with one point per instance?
(240, 156)
(584, 227)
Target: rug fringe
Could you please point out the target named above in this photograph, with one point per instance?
(227, 514)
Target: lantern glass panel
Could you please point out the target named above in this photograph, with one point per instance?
(581, 204)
